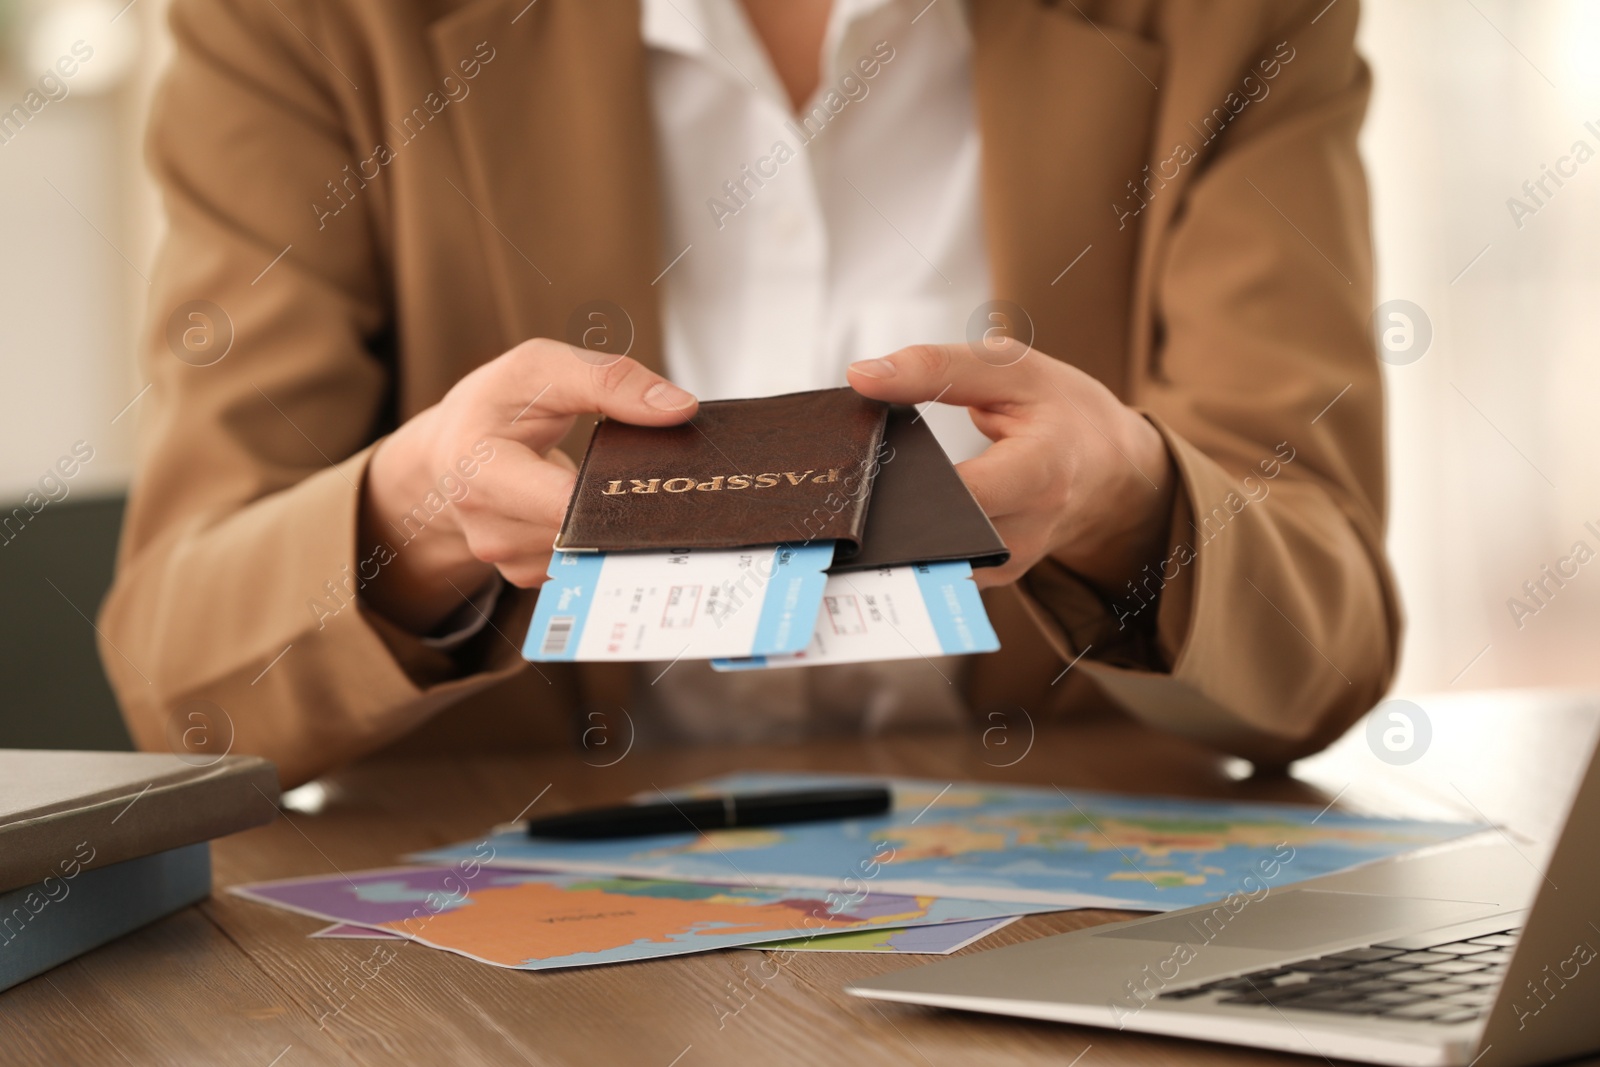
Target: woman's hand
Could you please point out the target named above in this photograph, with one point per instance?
(502, 423)
(1073, 472)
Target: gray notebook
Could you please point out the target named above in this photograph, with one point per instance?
(60, 810)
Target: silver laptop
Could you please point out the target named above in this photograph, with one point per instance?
(1472, 953)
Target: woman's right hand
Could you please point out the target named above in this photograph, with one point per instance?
(449, 530)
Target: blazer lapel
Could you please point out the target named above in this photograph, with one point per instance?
(1065, 108)
(559, 158)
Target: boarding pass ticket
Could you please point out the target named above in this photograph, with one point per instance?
(924, 610)
(685, 604)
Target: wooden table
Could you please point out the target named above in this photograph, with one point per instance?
(231, 982)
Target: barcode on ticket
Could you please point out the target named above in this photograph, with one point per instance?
(557, 634)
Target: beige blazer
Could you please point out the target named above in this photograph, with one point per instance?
(379, 195)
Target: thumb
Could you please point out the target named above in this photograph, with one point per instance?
(545, 380)
(1009, 373)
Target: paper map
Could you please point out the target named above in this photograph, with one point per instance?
(938, 940)
(534, 921)
(351, 932)
(1000, 843)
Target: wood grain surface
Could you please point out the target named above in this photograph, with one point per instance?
(237, 983)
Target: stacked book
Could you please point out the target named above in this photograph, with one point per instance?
(96, 844)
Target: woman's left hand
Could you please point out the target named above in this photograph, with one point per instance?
(1073, 473)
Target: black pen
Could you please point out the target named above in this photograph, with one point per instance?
(715, 813)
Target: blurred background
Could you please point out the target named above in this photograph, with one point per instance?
(1489, 274)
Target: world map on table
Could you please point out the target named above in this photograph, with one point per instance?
(1003, 843)
(535, 921)
(940, 939)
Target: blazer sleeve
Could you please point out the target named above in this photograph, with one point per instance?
(1273, 622)
(265, 396)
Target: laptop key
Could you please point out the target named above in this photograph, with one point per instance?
(1439, 989)
(1499, 956)
(1319, 984)
(1333, 1000)
(1495, 940)
(1463, 948)
(1298, 992)
(1257, 980)
(1414, 943)
(1268, 976)
(1464, 1016)
(1426, 1009)
(1480, 978)
(1346, 1007)
(1322, 963)
(1329, 996)
(1368, 955)
(1396, 999)
(1380, 967)
(1184, 994)
(1376, 985)
(1416, 975)
(1420, 958)
(1466, 966)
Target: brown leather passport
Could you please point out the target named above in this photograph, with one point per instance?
(773, 470)
(922, 512)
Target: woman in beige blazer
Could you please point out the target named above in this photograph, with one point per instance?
(1196, 503)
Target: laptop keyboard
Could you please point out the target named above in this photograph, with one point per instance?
(1454, 982)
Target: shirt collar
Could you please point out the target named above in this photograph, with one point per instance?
(703, 28)
(718, 33)
(670, 26)
(713, 32)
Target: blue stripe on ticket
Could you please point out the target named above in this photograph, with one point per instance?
(795, 590)
(955, 608)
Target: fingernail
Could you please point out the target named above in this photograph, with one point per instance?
(668, 397)
(874, 368)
